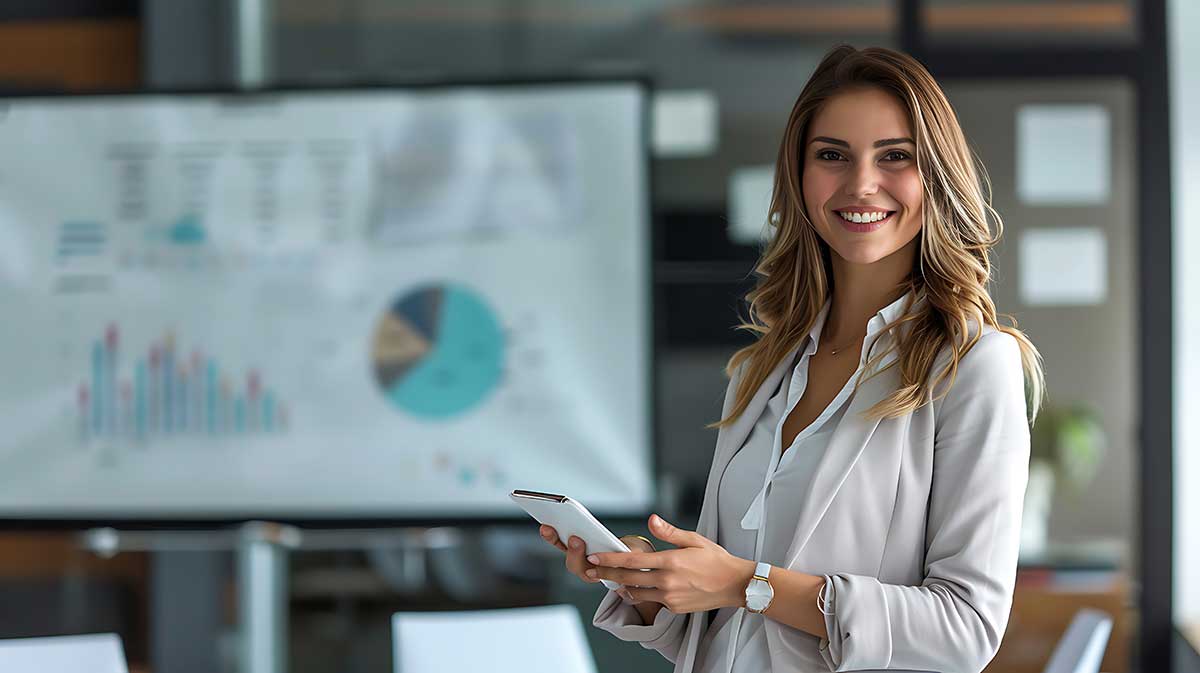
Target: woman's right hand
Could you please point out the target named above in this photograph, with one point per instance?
(577, 562)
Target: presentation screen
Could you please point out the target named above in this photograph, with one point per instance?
(345, 304)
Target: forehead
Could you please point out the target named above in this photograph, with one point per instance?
(861, 116)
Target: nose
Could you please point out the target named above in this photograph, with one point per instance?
(862, 181)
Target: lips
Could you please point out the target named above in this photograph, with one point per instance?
(863, 227)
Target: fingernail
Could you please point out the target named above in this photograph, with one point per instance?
(591, 573)
(593, 559)
(574, 543)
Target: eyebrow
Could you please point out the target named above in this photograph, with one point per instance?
(878, 143)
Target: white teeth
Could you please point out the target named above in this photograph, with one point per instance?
(862, 217)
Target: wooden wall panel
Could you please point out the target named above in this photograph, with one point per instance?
(76, 55)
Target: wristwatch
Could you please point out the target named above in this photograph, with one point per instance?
(759, 593)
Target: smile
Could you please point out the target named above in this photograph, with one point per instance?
(864, 227)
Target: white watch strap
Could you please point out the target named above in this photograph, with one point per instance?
(762, 569)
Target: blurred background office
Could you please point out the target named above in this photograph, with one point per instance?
(635, 142)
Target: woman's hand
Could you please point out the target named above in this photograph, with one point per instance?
(578, 565)
(700, 575)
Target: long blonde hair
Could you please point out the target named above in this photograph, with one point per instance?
(952, 267)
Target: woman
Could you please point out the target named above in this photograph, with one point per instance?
(873, 448)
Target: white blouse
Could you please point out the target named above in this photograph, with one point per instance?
(759, 500)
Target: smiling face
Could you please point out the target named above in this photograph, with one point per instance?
(860, 165)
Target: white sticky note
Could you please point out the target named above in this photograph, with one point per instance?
(684, 123)
(1063, 154)
(750, 190)
(1065, 266)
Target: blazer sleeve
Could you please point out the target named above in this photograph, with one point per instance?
(955, 619)
(665, 635)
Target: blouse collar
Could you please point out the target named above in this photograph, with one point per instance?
(882, 317)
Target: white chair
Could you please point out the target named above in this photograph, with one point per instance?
(541, 639)
(98, 653)
(1082, 645)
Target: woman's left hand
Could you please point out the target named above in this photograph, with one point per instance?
(700, 575)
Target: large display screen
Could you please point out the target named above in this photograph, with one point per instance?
(398, 303)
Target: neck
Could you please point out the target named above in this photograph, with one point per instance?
(861, 290)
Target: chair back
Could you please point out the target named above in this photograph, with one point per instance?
(1082, 645)
(96, 653)
(540, 639)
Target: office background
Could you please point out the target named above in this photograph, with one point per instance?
(1110, 319)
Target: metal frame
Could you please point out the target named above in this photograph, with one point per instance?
(1144, 65)
(314, 520)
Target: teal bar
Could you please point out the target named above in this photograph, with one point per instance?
(139, 400)
(97, 388)
(268, 411)
(168, 390)
(211, 394)
(239, 414)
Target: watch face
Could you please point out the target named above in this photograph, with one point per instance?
(758, 595)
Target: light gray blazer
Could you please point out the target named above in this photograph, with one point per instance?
(915, 520)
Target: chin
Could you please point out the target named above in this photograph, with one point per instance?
(863, 254)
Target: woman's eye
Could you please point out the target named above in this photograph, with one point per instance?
(834, 155)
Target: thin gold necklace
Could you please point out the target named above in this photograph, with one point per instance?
(835, 351)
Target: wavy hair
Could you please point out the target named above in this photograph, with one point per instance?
(952, 268)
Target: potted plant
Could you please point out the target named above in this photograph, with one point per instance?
(1066, 444)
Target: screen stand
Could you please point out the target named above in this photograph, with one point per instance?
(261, 549)
(262, 564)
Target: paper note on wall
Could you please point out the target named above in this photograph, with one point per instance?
(750, 190)
(1063, 154)
(684, 124)
(1063, 266)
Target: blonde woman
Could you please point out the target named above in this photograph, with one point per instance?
(864, 500)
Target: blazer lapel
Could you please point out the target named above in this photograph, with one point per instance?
(731, 439)
(846, 444)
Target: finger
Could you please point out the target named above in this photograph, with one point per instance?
(632, 559)
(676, 536)
(576, 562)
(628, 578)
(550, 535)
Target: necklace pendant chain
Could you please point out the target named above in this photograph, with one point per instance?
(839, 349)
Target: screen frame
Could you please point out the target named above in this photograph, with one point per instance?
(652, 320)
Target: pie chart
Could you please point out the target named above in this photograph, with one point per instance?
(438, 351)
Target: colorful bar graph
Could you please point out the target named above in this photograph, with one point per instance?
(167, 394)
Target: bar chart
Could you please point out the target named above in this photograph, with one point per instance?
(168, 393)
